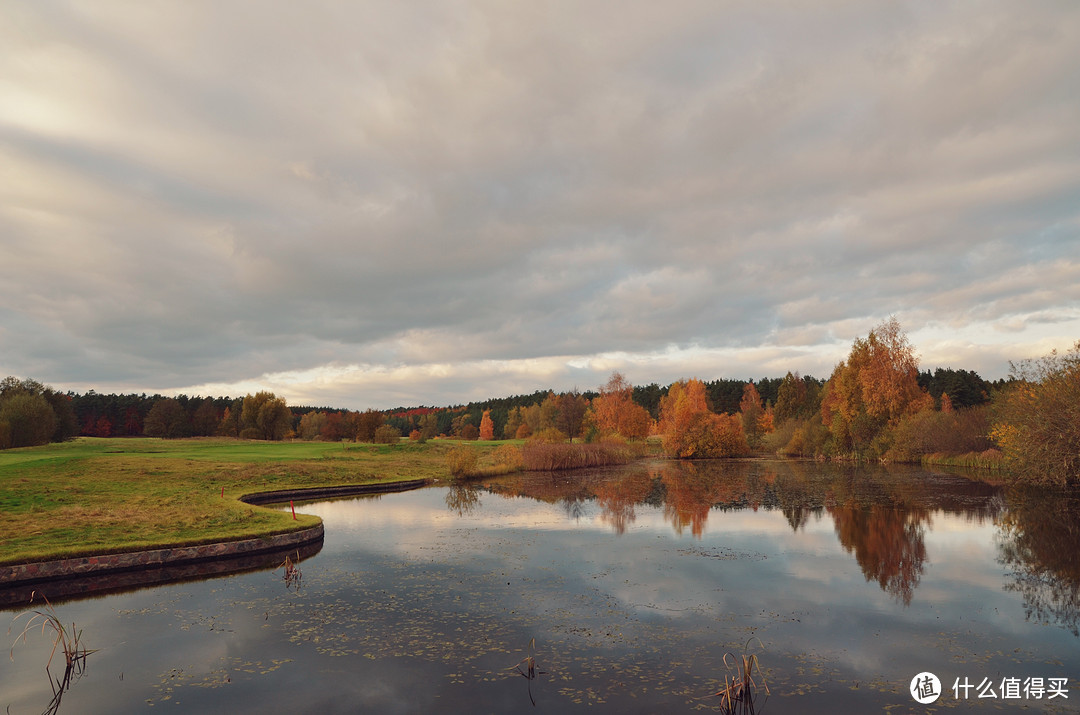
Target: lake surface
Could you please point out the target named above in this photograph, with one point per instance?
(628, 586)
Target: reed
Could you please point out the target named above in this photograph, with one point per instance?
(740, 689)
(531, 671)
(990, 459)
(292, 573)
(68, 641)
(552, 456)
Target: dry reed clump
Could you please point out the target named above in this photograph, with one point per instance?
(508, 458)
(292, 574)
(740, 688)
(68, 641)
(551, 456)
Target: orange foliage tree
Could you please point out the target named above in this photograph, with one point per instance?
(487, 427)
(690, 429)
(872, 390)
(615, 412)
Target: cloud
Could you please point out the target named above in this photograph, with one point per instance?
(193, 198)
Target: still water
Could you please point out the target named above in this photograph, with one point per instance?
(628, 586)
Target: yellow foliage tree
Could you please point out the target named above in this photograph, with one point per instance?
(1036, 421)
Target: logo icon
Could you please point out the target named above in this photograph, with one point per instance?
(925, 688)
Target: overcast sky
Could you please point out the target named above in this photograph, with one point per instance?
(374, 204)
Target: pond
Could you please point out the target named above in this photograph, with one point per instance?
(633, 589)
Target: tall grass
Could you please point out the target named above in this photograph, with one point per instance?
(991, 459)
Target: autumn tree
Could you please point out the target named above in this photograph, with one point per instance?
(546, 413)
(751, 412)
(872, 390)
(265, 416)
(570, 414)
(333, 427)
(487, 427)
(311, 424)
(1036, 420)
(615, 412)
(690, 429)
(367, 422)
(232, 419)
(428, 426)
(513, 422)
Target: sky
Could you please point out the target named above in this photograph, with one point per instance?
(380, 204)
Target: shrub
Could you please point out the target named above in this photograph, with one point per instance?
(386, 434)
(414, 436)
(461, 461)
(549, 434)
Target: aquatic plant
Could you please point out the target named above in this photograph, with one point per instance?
(740, 690)
(531, 672)
(292, 573)
(529, 662)
(68, 641)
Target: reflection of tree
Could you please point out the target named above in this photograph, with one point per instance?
(1039, 540)
(462, 499)
(618, 496)
(691, 492)
(887, 543)
(796, 498)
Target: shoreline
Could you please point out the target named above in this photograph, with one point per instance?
(176, 563)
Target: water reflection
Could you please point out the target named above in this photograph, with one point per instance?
(880, 515)
(887, 543)
(1039, 541)
(461, 499)
(623, 589)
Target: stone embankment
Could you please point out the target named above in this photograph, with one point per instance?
(131, 569)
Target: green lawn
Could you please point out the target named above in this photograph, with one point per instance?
(95, 496)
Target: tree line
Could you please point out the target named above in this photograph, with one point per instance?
(876, 405)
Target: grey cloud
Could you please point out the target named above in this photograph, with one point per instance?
(258, 190)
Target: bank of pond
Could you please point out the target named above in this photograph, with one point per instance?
(629, 588)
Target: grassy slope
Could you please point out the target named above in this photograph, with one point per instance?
(95, 496)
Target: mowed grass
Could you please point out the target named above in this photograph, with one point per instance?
(97, 496)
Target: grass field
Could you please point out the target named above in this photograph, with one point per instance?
(96, 496)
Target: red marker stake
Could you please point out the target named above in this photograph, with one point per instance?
(223, 492)
(293, 510)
